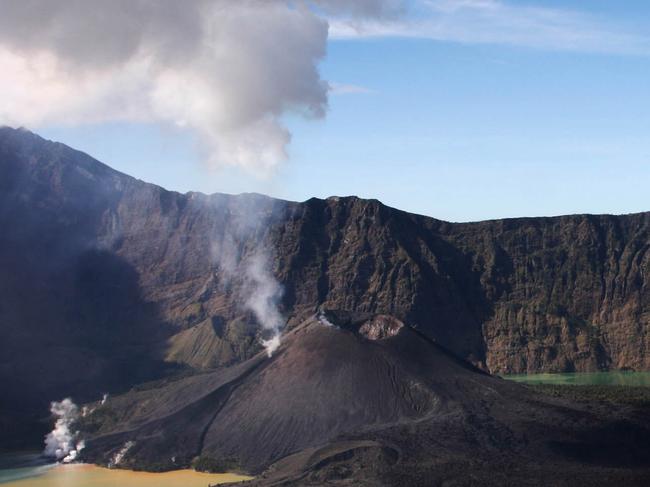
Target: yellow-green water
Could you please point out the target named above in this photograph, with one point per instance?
(614, 378)
(84, 475)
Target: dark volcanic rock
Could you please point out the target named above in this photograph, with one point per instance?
(323, 381)
(107, 281)
(333, 406)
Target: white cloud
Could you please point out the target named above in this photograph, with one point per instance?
(230, 70)
(348, 89)
(363, 8)
(499, 22)
(227, 70)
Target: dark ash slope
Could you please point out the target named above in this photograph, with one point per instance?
(370, 401)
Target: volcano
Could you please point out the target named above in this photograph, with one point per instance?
(365, 399)
(108, 282)
(333, 374)
(394, 323)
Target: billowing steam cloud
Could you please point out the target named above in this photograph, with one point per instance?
(227, 70)
(62, 442)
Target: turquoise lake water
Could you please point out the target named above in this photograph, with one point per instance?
(617, 378)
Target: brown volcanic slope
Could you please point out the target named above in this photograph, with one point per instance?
(369, 401)
(107, 281)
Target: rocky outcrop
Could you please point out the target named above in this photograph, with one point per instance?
(107, 281)
(567, 293)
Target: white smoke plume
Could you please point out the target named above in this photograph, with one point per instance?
(322, 319)
(88, 410)
(264, 292)
(257, 289)
(244, 263)
(119, 456)
(62, 442)
(226, 70)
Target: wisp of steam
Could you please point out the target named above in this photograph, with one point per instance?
(119, 456)
(264, 292)
(260, 292)
(244, 262)
(62, 442)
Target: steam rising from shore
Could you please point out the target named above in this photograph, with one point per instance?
(62, 442)
(119, 456)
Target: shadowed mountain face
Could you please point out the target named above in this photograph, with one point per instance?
(107, 281)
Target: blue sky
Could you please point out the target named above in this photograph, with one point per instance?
(456, 126)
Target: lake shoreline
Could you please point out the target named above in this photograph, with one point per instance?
(88, 474)
(30, 468)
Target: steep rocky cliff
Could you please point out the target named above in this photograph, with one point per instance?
(107, 281)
